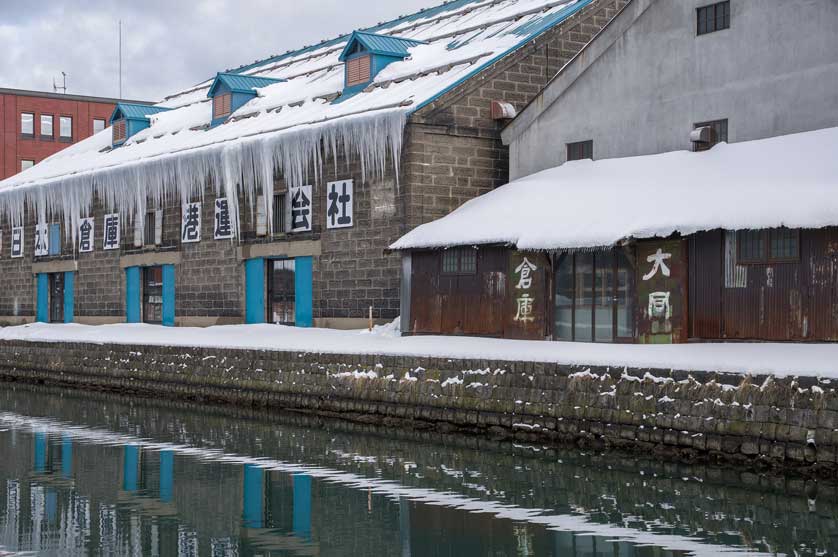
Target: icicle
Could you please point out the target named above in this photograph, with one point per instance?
(244, 166)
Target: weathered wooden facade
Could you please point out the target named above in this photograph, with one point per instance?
(650, 291)
(776, 298)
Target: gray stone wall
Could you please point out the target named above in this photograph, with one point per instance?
(17, 285)
(730, 417)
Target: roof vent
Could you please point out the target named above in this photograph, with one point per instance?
(503, 110)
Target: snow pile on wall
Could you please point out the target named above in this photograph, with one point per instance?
(779, 359)
(788, 181)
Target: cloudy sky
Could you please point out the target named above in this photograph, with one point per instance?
(168, 45)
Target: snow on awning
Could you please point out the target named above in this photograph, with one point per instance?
(788, 181)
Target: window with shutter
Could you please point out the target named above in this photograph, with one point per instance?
(221, 105)
(261, 216)
(119, 131)
(357, 71)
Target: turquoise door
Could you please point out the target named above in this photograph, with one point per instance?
(42, 310)
(254, 284)
(303, 291)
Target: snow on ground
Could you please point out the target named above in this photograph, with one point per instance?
(788, 181)
(774, 358)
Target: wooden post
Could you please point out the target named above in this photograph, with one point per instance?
(370, 318)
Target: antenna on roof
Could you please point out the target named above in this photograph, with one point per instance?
(62, 88)
(120, 58)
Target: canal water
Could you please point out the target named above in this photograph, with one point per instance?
(91, 474)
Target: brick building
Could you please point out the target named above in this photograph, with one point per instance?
(35, 125)
(271, 193)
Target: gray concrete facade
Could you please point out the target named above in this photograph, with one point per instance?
(644, 82)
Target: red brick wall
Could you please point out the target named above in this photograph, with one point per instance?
(14, 149)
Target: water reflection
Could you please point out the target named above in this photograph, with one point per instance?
(103, 475)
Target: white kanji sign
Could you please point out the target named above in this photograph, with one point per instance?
(301, 209)
(86, 235)
(110, 239)
(41, 240)
(524, 270)
(17, 241)
(339, 204)
(659, 306)
(223, 228)
(190, 228)
(657, 259)
(525, 308)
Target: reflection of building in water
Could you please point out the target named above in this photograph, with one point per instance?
(130, 494)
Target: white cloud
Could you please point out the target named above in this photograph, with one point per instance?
(167, 44)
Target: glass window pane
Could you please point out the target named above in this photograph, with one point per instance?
(66, 126)
(282, 291)
(604, 297)
(784, 244)
(468, 260)
(153, 294)
(625, 302)
(751, 246)
(584, 297)
(27, 123)
(563, 326)
(449, 261)
(46, 125)
(98, 125)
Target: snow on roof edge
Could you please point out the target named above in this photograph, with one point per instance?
(789, 180)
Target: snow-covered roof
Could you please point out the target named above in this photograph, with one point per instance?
(789, 180)
(288, 121)
(380, 44)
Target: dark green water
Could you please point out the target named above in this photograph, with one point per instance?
(103, 475)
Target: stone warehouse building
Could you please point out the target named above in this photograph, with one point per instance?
(271, 192)
(708, 210)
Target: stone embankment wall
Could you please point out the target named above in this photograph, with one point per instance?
(752, 420)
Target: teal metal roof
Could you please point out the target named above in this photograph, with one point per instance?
(131, 111)
(380, 44)
(241, 83)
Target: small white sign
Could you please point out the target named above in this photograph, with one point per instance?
(339, 204)
(17, 241)
(86, 229)
(223, 229)
(41, 240)
(112, 230)
(190, 228)
(301, 209)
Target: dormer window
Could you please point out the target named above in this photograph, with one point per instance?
(231, 91)
(221, 105)
(119, 131)
(366, 54)
(358, 70)
(129, 118)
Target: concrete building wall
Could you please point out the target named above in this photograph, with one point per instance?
(773, 72)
